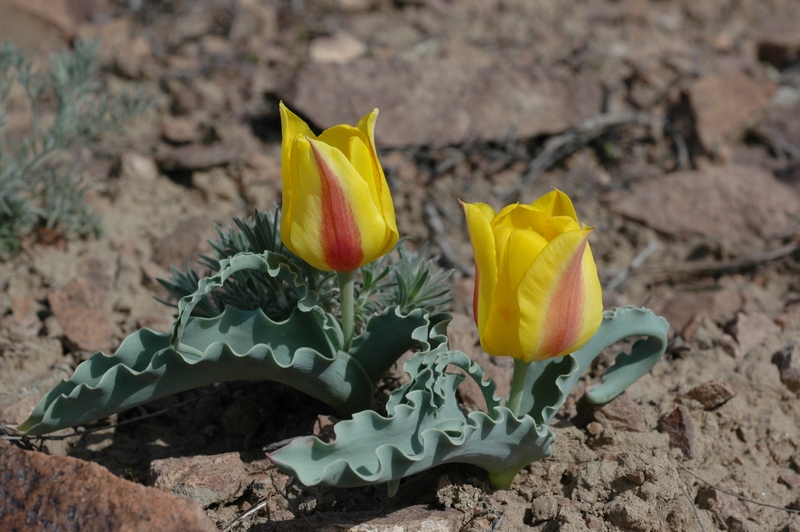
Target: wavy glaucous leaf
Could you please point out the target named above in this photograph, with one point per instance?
(424, 426)
(304, 351)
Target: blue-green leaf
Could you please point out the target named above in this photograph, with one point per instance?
(552, 380)
(303, 351)
(424, 426)
(296, 352)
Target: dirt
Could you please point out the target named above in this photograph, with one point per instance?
(714, 90)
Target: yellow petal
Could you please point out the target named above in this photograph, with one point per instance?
(336, 225)
(479, 217)
(340, 136)
(560, 298)
(523, 247)
(520, 216)
(361, 159)
(555, 203)
(499, 335)
(301, 233)
(292, 127)
(367, 126)
(557, 225)
(358, 145)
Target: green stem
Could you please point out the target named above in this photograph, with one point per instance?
(517, 386)
(347, 304)
(501, 480)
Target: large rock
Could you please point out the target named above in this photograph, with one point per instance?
(752, 329)
(206, 479)
(41, 492)
(778, 41)
(83, 310)
(621, 413)
(723, 104)
(445, 100)
(680, 429)
(188, 240)
(734, 203)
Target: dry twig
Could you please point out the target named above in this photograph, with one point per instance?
(560, 146)
(637, 261)
(718, 267)
(741, 497)
(247, 514)
(694, 506)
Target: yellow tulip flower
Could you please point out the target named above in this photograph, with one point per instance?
(337, 209)
(537, 293)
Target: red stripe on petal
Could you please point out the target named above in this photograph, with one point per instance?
(341, 238)
(565, 315)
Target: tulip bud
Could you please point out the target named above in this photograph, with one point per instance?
(537, 293)
(337, 209)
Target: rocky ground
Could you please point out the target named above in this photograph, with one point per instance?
(673, 125)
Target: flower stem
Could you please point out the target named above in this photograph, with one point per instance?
(347, 305)
(517, 386)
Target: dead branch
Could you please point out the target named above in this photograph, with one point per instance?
(664, 273)
(741, 497)
(637, 261)
(560, 146)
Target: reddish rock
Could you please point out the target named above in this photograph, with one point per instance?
(725, 508)
(711, 394)
(470, 95)
(778, 41)
(752, 329)
(790, 319)
(41, 492)
(115, 34)
(620, 414)
(216, 184)
(55, 12)
(99, 271)
(729, 345)
(206, 479)
(254, 21)
(683, 309)
(637, 477)
(790, 479)
(595, 429)
(783, 121)
(186, 241)
(132, 59)
(197, 156)
(678, 426)
(84, 313)
(180, 129)
(734, 203)
(724, 103)
(788, 362)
